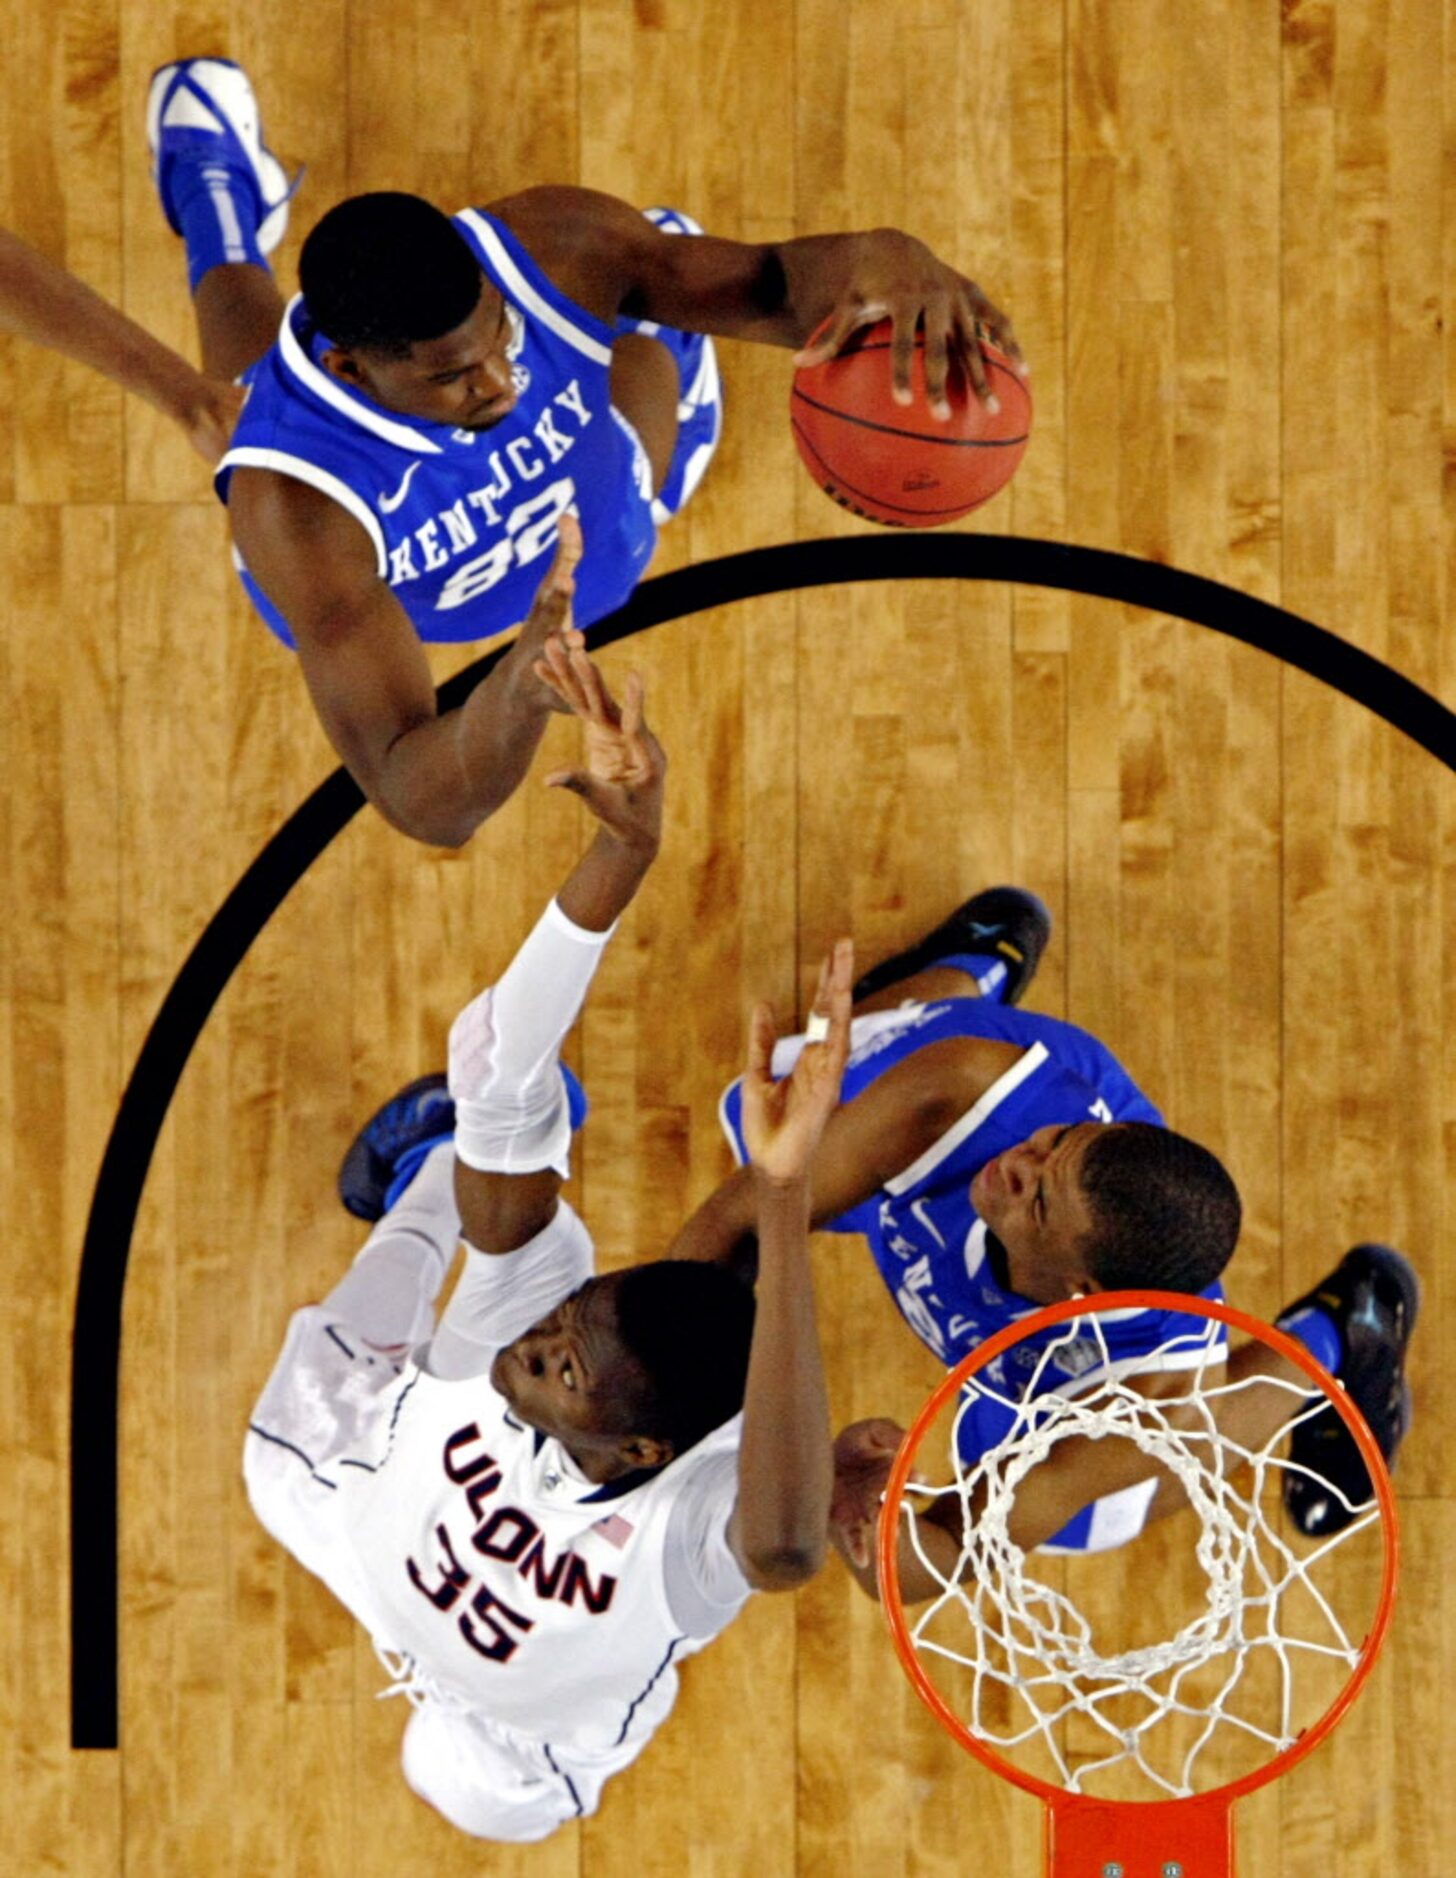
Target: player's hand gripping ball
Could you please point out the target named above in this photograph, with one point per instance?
(895, 463)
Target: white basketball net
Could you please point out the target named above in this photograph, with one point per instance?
(1028, 1668)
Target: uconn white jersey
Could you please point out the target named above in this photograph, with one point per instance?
(463, 523)
(469, 1542)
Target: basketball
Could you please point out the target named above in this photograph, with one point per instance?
(895, 463)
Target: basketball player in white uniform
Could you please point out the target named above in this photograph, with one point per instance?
(540, 1505)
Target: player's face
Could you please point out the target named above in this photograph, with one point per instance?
(1031, 1198)
(462, 379)
(570, 1374)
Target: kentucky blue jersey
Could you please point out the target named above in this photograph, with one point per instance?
(925, 1235)
(464, 522)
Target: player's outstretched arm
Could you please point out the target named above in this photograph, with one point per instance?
(867, 1141)
(778, 1528)
(512, 1129)
(1076, 1472)
(433, 776)
(44, 304)
(612, 259)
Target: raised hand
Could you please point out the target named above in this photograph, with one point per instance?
(549, 621)
(621, 782)
(783, 1121)
(893, 276)
(863, 1457)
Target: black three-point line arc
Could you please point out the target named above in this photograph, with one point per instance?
(303, 838)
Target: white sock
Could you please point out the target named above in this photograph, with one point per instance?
(511, 1114)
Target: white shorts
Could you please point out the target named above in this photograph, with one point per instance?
(494, 1784)
(323, 1399)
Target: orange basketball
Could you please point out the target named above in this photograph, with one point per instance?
(895, 463)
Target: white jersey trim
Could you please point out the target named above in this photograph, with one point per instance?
(520, 289)
(251, 456)
(984, 1105)
(332, 392)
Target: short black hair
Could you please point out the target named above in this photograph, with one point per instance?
(384, 270)
(689, 1325)
(1165, 1212)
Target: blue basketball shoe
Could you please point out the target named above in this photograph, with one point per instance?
(202, 111)
(391, 1147)
(700, 391)
(1374, 1296)
(1005, 923)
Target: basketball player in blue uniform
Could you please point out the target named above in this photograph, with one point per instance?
(997, 1161)
(446, 389)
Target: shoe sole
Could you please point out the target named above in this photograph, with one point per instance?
(899, 966)
(364, 1174)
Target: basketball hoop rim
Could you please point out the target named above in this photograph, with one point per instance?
(1218, 1799)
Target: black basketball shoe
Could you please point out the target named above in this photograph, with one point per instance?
(1374, 1296)
(1006, 923)
(421, 1113)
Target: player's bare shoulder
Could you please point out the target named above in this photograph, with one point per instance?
(298, 542)
(586, 242)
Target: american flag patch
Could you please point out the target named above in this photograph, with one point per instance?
(614, 1529)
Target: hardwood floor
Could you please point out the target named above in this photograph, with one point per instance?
(1220, 229)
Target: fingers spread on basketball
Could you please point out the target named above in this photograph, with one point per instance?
(902, 463)
(939, 332)
(981, 321)
(851, 313)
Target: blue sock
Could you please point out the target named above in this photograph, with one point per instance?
(1319, 1333)
(410, 1163)
(989, 972)
(218, 209)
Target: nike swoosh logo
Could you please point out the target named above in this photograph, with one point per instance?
(388, 504)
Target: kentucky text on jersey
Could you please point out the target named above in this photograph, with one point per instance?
(463, 522)
(452, 532)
